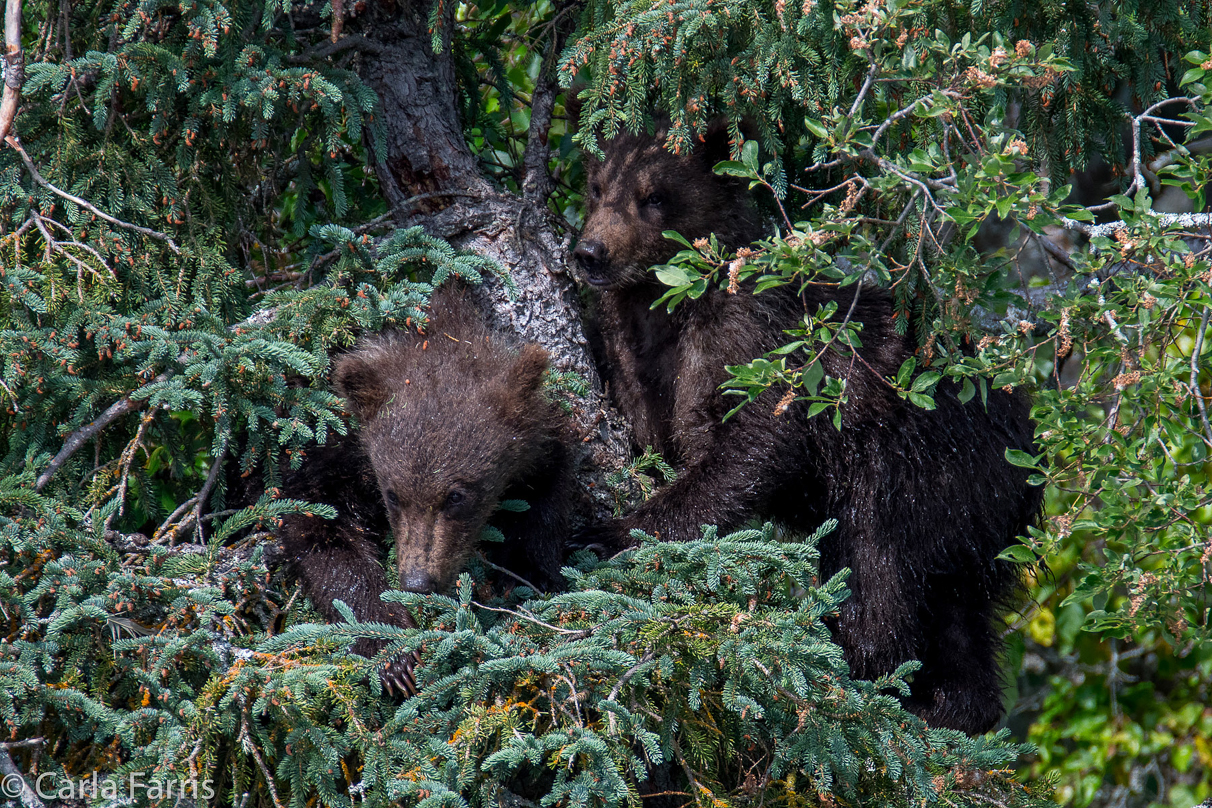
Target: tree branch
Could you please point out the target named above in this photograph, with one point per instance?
(1195, 220)
(1195, 389)
(38, 178)
(332, 48)
(82, 435)
(12, 776)
(14, 66)
(536, 181)
(204, 494)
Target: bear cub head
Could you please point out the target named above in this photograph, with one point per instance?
(640, 189)
(449, 421)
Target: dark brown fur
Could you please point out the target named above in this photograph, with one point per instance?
(924, 499)
(452, 422)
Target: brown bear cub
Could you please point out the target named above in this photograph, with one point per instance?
(925, 500)
(452, 422)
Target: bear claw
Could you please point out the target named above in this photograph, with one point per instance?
(397, 676)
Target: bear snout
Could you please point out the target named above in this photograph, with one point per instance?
(418, 581)
(593, 259)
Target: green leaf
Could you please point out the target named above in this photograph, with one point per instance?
(926, 381)
(672, 275)
(674, 235)
(749, 155)
(788, 348)
(816, 128)
(732, 168)
(1194, 74)
(967, 391)
(812, 377)
(1017, 457)
(1018, 553)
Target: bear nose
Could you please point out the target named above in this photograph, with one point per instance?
(417, 581)
(591, 255)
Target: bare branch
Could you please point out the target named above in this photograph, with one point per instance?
(1202, 146)
(204, 494)
(1194, 220)
(14, 66)
(13, 777)
(333, 47)
(82, 435)
(1137, 167)
(872, 70)
(578, 633)
(909, 110)
(1195, 391)
(91, 208)
(536, 180)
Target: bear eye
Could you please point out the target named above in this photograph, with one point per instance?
(454, 499)
(654, 199)
(595, 190)
(392, 500)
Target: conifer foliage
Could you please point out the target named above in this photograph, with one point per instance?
(194, 216)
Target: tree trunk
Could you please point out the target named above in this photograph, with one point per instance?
(426, 155)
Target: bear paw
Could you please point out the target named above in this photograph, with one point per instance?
(397, 677)
(604, 538)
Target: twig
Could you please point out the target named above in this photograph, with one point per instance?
(331, 48)
(38, 178)
(252, 747)
(81, 436)
(694, 783)
(1138, 177)
(204, 494)
(510, 573)
(873, 68)
(14, 66)
(127, 458)
(614, 691)
(1055, 251)
(164, 526)
(1195, 391)
(1194, 220)
(891, 119)
(12, 776)
(584, 632)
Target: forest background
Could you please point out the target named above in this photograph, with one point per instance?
(202, 200)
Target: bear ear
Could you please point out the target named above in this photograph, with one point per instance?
(717, 142)
(356, 379)
(528, 368)
(514, 396)
(573, 104)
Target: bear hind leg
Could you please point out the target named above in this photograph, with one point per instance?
(960, 683)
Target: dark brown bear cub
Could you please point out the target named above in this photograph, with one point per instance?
(452, 422)
(924, 499)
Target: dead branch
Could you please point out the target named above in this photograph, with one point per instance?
(14, 66)
(82, 435)
(1192, 220)
(91, 208)
(13, 776)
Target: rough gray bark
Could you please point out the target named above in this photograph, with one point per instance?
(426, 154)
